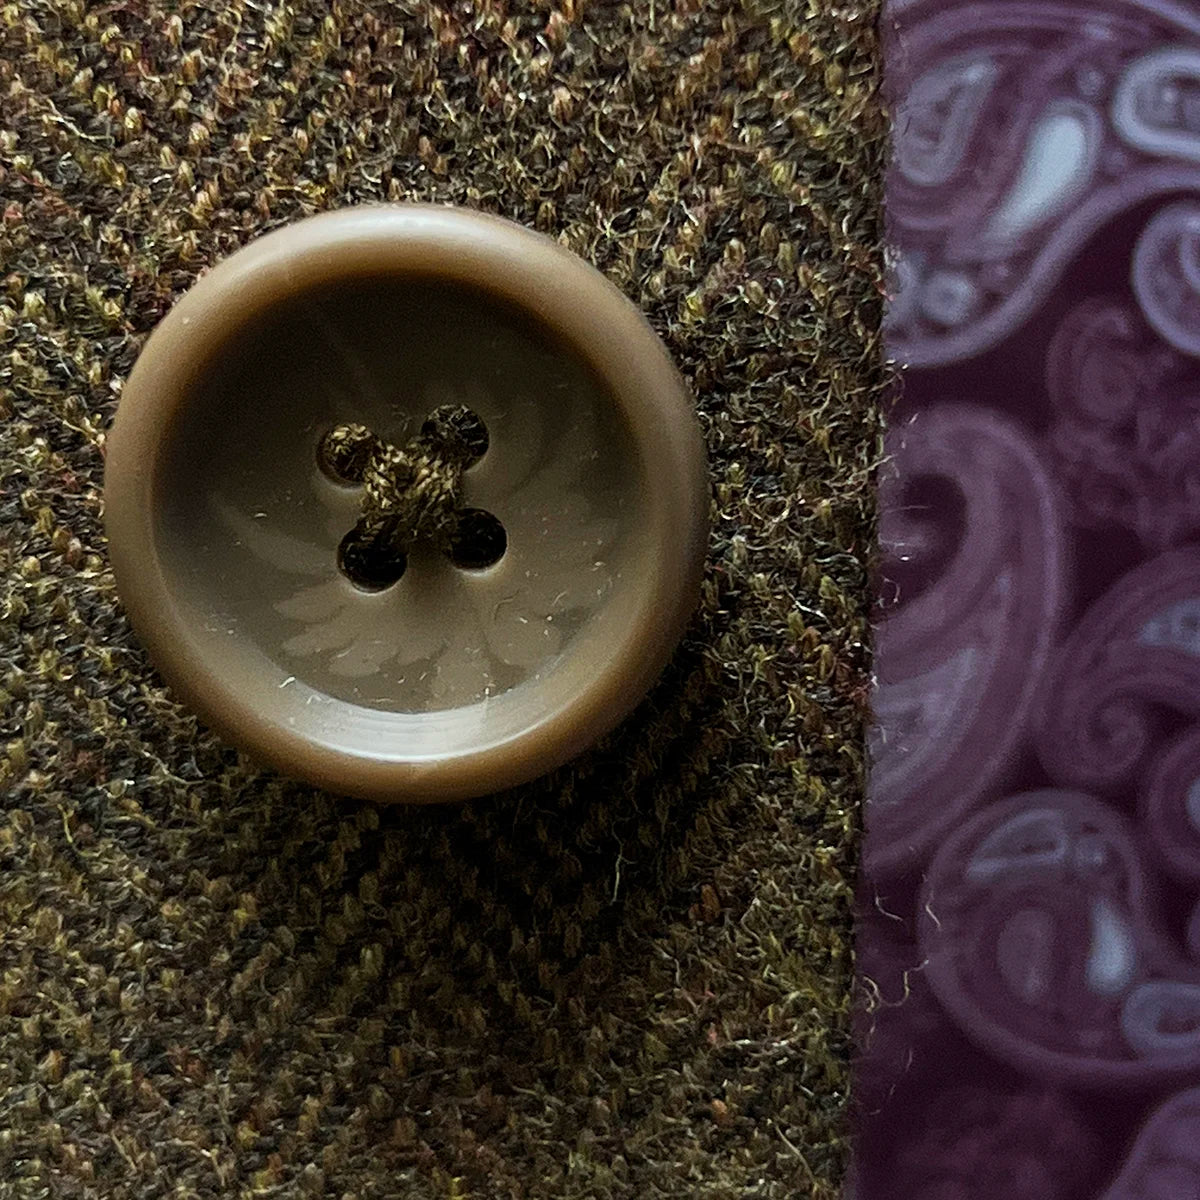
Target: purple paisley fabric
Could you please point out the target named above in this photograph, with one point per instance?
(1029, 934)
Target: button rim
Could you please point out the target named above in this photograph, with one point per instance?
(557, 289)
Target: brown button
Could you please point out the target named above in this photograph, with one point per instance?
(408, 502)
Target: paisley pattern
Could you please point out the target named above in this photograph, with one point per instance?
(1125, 432)
(1165, 1161)
(1021, 132)
(1170, 811)
(1132, 655)
(972, 530)
(972, 1133)
(1029, 939)
(1166, 275)
(1038, 938)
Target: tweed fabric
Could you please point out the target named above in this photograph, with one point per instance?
(632, 978)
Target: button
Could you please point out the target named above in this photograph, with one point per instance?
(408, 502)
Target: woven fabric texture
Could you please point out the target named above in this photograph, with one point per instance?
(632, 978)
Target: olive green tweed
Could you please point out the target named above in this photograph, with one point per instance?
(631, 979)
